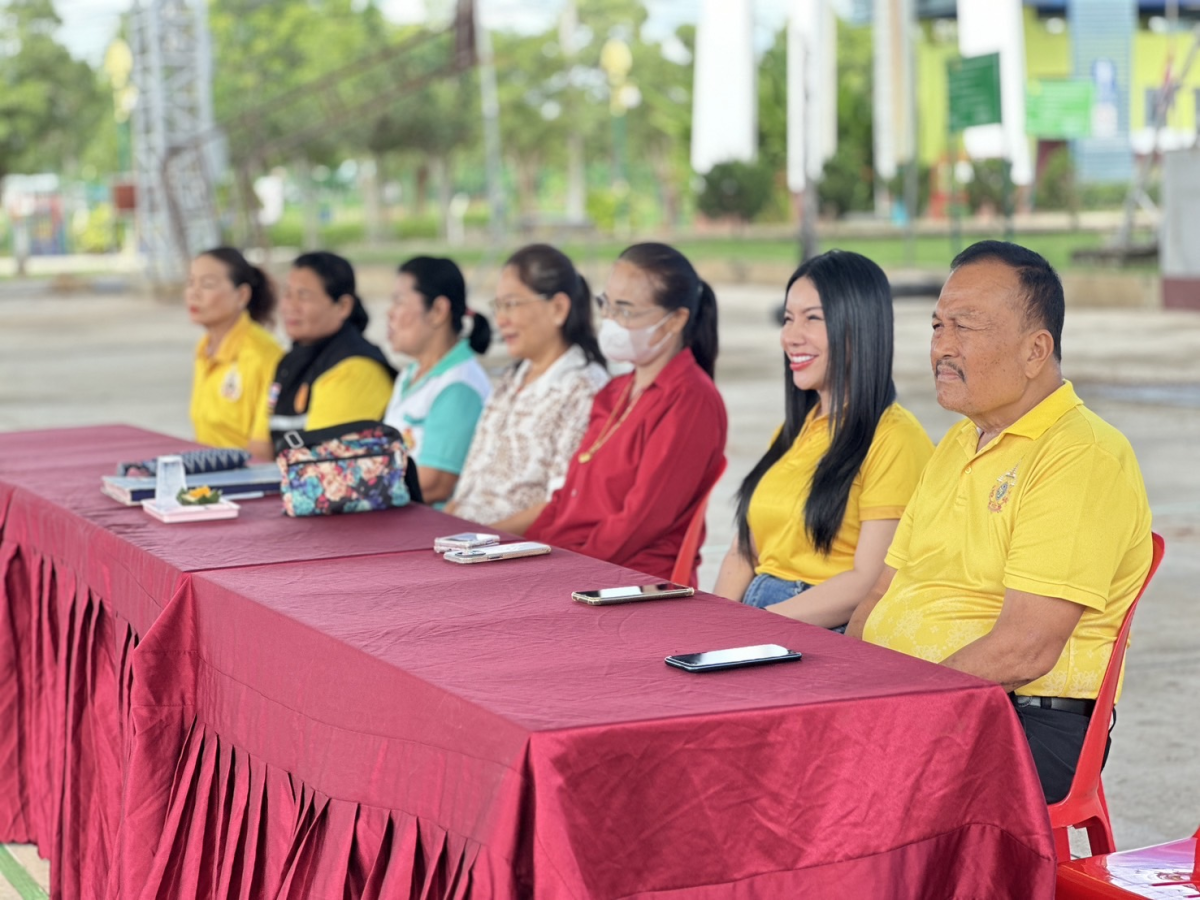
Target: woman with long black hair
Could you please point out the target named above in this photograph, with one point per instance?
(815, 516)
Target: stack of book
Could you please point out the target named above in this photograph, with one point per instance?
(244, 484)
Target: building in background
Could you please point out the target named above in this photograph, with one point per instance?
(1125, 48)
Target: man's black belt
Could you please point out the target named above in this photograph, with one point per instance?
(1062, 704)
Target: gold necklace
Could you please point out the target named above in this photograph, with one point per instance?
(606, 432)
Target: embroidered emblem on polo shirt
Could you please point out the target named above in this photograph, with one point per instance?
(231, 387)
(273, 395)
(1002, 490)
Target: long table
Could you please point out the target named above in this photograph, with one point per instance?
(284, 708)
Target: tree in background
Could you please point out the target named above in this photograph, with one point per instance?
(847, 183)
(660, 127)
(430, 127)
(50, 102)
(265, 52)
(534, 117)
(736, 189)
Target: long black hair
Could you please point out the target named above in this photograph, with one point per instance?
(547, 271)
(856, 300)
(679, 286)
(337, 277)
(435, 276)
(262, 292)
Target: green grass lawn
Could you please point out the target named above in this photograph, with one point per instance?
(932, 252)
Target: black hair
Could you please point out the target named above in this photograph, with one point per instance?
(337, 277)
(547, 271)
(262, 292)
(434, 277)
(856, 301)
(679, 286)
(1045, 306)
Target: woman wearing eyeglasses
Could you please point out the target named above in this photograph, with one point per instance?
(534, 419)
(437, 399)
(655, 444)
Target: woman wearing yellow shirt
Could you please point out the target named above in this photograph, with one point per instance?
(332, 375)
(236, 358)
(816, 514)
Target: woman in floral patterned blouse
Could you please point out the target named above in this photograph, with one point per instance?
(534, 419)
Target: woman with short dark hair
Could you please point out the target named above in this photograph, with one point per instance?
(816, 514)
(332, 375)
(532, 423)
(655, 444)
(438, 398)
(235, 360)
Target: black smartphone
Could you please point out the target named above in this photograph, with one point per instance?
(605, 596)
(733, 658)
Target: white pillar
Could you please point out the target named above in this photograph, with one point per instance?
(990, 26)
(725, 87)
(811, 90)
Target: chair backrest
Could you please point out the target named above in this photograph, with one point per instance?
(685, 560)
(1091, 756)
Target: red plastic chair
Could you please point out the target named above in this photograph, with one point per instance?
(1084, 806)
(685, 561)
(1161, 872)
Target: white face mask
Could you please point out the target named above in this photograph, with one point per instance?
(632, 345)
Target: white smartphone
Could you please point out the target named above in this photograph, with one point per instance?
(606, 596)
(733, 658)
(499, 551)
(468, 540)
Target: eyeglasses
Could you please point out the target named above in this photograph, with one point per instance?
(507, 305)
(624, 314)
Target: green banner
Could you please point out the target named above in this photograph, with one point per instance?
(974, 90)
(1059, 109)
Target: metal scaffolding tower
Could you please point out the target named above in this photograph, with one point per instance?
(175, 146)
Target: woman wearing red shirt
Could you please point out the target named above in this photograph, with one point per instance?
(655, 443)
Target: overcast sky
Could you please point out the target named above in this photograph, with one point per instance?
(89, 25)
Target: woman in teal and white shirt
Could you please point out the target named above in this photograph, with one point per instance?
(438, 398)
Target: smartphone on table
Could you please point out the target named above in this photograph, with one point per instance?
(733, 658)
(467, 540)
(497, 552)
(606, 596)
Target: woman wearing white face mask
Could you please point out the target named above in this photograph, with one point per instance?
(655, 443)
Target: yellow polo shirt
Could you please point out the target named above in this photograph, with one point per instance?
(356, 388)
(1055, 505)
(880, 490)
(229, 387)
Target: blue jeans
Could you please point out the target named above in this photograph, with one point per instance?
(767, 590)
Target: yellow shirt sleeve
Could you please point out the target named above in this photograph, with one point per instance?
(892, 469)
(1067, 548)
(354, 389)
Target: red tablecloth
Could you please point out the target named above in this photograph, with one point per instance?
(305, 712)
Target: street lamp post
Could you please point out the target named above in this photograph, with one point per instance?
(616, 60)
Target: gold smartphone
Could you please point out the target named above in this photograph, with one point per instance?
(664, 590)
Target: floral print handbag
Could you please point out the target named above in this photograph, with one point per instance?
(356, 467)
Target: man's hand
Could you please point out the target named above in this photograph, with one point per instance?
(1024, 644)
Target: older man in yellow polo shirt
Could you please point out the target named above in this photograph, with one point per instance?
(1028, 536)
